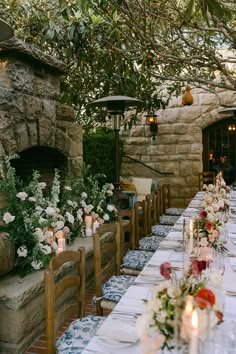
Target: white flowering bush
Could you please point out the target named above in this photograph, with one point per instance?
(36, 220)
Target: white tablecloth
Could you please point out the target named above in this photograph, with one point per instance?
(122, 318)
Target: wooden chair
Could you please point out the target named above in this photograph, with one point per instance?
(151, 211)
(64, 299)
(206, 177)
(126, 220)
(135, 260)
(169, 214)
(109, 284)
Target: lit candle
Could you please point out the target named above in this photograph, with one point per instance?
(88, 232)
(193, 346)
(95, 226)
(190, 246)
(61, 243)
(88, 221)
(189, 307)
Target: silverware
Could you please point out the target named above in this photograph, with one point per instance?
(116, 340)
(230, 293)
(231, 255)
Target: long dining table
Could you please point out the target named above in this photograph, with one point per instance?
(118, 334)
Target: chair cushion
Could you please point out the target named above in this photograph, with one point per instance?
(136, 259)
(78, 334)
(150, 243)
(116, 286)
(161, 230)
(174, 211)
(127, 186)
(143, 186)
(168, 219)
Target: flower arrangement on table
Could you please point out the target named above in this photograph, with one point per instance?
(207, 230)
(168, 315)
(219, 202)
(41, 224)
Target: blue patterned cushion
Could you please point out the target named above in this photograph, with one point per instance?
(174, 211)
(116, 286)
(168, 219)
(150, 243)
(161, 230)
(78, 334)
(136, 259)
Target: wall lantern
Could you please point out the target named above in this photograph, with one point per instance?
(151, 120)
(6, 32)
(231, 128)
(187, 99)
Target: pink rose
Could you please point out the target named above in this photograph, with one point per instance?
(197, 266)
(203, 214)
(165, 270)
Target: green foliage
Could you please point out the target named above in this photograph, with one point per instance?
(35, 221)
(138, 48)
(98, 153)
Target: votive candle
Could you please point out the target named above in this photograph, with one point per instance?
(61, 243)
(193, 345)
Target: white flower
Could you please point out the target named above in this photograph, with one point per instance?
(39, 234)
(42, 220)
(106, 217)
(84, 195)
(7, 218)
(69, 202)
(22, 195)
(45, 249)
(42, 185)
(221, 203)
(59, 225)
(110, 207)
(32, 199)
(70, 217)
(68, 188)
(173, 291)
(210, 187)
(161, 316)
(83, 204)
(109, 193)
(143, 323)
(38, 209)
(50, 211)
(54, 245)
(154, 305)
(22, 251)
(36, 264)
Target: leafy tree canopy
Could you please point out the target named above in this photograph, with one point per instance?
(131, 47)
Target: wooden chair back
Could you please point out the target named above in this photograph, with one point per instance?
(165, 197)
(64, 292)
(151, 211)
(206, 177)
(107, 257)
(158, 205)
(140, 209)
(126, 220)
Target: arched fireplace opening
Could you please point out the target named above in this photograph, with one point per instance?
(43, 159)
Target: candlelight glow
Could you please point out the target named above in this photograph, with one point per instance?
(194, 320)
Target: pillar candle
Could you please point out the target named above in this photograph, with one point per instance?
(88, 232)
(193, 345)
(61, 243)
(95, 226)
(88, 221)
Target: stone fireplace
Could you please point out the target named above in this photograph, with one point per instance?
(33, 122)
(41, 130)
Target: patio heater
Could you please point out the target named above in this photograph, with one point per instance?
(6, 31)
(116, 105)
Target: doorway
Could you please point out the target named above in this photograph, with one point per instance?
(219, 149)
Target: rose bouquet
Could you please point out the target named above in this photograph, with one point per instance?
(166, 315)
(207, 230)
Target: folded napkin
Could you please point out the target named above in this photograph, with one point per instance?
(174, 235)
(190, 211)
(169, 244)
(117, 330)
(137, 292)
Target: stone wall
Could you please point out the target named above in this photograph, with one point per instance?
(178, 146)
(30, 110)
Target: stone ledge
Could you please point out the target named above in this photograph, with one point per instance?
(22, 306)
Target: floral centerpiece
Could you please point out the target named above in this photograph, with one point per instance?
(207, 230)
(36, 221)
(167, 317)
